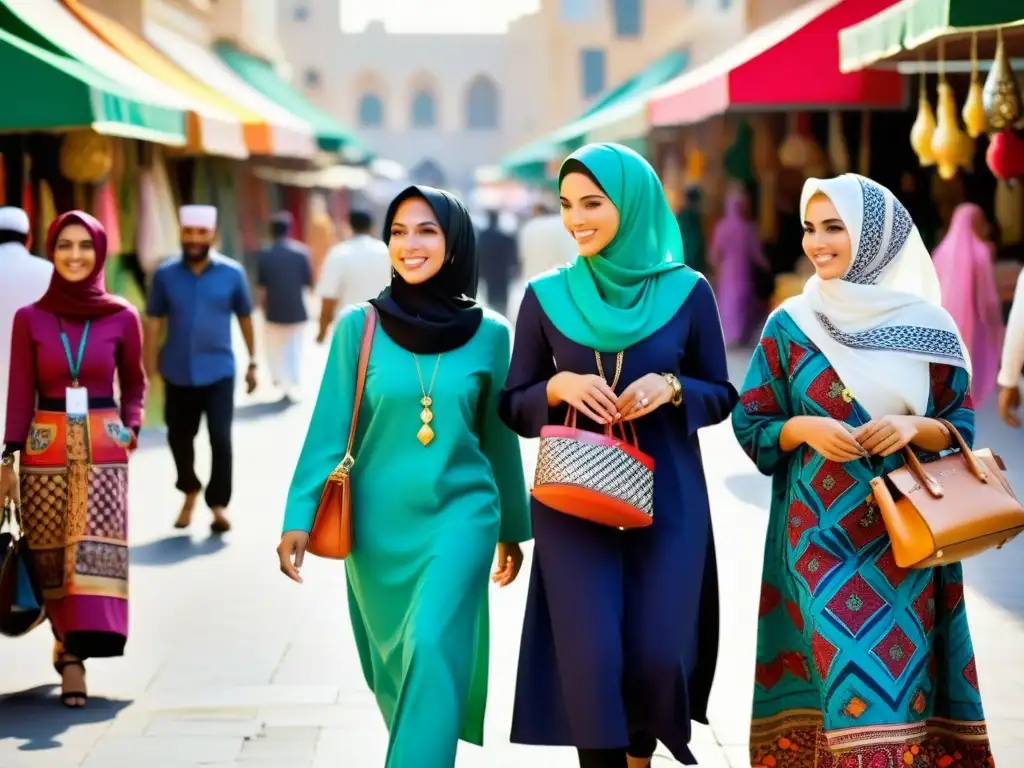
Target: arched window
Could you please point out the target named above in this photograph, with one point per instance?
(371, 111)
(428, 172)
(424, 112)
(482, 104)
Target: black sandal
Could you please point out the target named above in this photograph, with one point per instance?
(67, 697)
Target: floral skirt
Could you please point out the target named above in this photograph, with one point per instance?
(74, 507)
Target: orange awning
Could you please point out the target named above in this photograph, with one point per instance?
(258, 135)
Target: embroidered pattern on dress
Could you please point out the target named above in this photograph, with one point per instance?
(40, 437)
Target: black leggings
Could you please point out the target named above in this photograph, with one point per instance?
(642, 745)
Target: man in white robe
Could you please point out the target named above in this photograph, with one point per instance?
(24, 279)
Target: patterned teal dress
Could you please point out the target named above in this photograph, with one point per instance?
(860, 663)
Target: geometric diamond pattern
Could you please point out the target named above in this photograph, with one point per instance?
(829, 392)
(864, 524)
(815, 564)
(971, 673)
(771, 356)
(895, 651)
(924, 606)
(854, 611)
(831, 482)
(760, 401)
(801, 517)
(823, 652)
(886, 565)
(855, 604)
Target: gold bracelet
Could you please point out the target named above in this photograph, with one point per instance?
(677, 388)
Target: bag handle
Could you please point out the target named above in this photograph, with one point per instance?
(609, 429)
(365, 345)
(928, 482)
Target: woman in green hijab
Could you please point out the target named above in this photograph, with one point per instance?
(621, 631)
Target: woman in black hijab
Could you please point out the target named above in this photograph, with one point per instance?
(439, 313)
(437, 482)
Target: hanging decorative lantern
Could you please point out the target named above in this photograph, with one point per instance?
(924, 128)
(86, 157)
(799, 151)
(1001, 94)
(694, 166)
(1005, 156)
(948, 140)
(973, 112)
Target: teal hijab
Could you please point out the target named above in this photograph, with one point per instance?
(622, 295)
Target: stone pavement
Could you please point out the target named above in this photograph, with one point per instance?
(229, 664)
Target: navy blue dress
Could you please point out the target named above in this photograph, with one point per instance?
(620, 637)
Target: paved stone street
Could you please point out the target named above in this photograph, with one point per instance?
(229, 664)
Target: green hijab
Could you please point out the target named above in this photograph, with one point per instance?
(622, 295)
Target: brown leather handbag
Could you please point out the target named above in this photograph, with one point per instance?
(331, 536)
(947, 510)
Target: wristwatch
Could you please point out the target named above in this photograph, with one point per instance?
(677, 388)
(7, 460)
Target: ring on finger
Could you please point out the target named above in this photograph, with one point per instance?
(645, 402)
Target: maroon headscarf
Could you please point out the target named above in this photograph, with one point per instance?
(87, 298)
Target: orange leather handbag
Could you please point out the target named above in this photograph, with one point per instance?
(947, 510)
(595, 476)
(331, 536)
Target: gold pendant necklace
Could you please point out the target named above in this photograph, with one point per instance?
(426, 433)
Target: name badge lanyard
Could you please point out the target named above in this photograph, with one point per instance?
(74, 366)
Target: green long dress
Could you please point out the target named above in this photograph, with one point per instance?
(426, 521)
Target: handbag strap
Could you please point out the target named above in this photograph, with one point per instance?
(928, 482)
(365, 345)
(609, 429)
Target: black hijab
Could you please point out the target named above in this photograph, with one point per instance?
(441, 314)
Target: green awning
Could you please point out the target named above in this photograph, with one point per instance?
(331, 135)
(911, 24)
(619, 115)
(48, 92)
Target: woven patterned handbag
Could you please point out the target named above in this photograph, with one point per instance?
(596, 476)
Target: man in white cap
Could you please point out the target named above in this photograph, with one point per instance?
(24, 279)
(194, 298)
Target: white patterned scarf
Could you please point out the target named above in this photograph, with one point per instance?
(882, 323)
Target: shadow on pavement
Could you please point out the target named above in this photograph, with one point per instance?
(37, 717)
(174, 549)
(748, 488)
(259, 410)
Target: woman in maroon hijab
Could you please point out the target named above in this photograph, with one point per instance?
(73, 440)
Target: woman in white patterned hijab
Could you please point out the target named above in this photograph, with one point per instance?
(883, 299)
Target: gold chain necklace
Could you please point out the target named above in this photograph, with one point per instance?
(618, 368)
(426, 434)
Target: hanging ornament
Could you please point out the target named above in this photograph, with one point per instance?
(799, 151)
(949, 143)
(694, 167)
(1001, 94)
(924, 128)
(1005, 155)
(973, 112)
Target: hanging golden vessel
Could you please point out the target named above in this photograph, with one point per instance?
(923, 129)
(947, 140)
(973, 113)
(1001, 93)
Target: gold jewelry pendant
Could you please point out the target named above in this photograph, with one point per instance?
(426, 434)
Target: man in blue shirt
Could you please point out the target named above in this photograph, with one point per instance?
(283, 273)
(194, 298)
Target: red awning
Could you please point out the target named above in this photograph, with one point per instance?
(792, 63)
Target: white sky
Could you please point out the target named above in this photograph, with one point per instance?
(464, 16)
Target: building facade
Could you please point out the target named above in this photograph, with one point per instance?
(444, 105)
